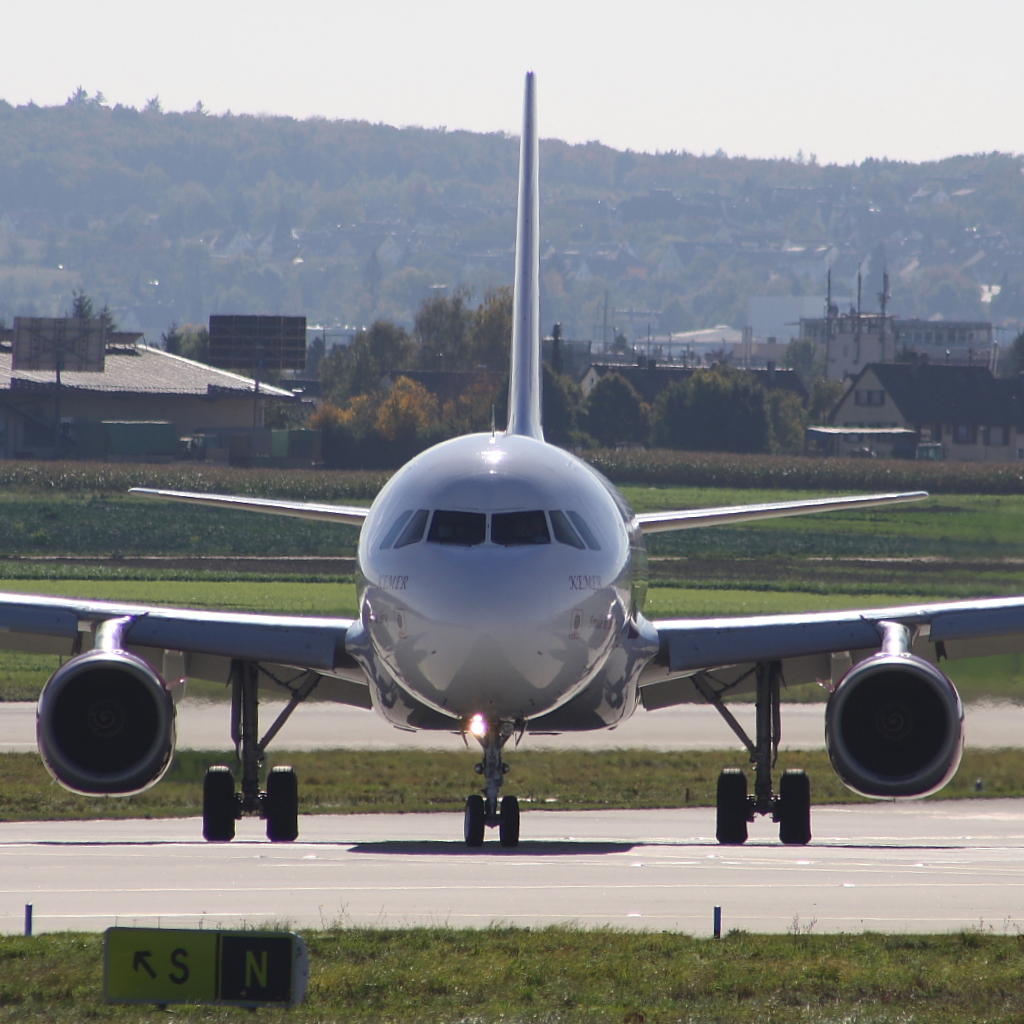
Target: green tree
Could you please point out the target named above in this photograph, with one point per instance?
(722, 410)
(825, 396)
(616, 413)
(107, 316)
(443, 326)
(805, 356)
(561, 399)
(81, 306)
(1015, 357)
(490, 331)
(189, 341)
(360, 367)
(789, 421)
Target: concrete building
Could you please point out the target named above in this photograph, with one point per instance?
(851, 341)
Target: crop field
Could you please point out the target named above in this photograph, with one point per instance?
(37, 523)
(575, 976)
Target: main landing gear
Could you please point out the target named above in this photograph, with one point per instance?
(278, 805)
(791, 807)
(484, 811)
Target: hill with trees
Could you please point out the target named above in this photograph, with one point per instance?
(170, 217)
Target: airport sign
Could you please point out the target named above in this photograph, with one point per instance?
(237, 968)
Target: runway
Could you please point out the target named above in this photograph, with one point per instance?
(929, 867)
(203, 725)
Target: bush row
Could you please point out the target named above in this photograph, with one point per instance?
(658, 467)
(116, 478)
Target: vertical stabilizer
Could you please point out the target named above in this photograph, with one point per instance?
(525, 380)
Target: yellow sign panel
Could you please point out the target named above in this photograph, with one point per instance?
(158, 965)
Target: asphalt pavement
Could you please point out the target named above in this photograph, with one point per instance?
(204, 725)
(914, 867)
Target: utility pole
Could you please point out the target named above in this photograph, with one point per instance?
(828, 322)
(883, 299)
(858, 314)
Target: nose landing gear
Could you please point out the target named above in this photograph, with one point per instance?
(483, 812)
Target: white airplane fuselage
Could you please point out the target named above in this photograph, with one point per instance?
(501, 576)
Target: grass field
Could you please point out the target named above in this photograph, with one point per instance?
(75, 523)
(389, 781)
(569, 975)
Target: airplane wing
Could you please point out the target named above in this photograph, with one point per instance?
(353, 515)
(202, 644)
(818, 646)
(688, 519)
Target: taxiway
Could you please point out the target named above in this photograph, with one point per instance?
(928, 867)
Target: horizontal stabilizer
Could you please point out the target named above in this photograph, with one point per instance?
(353, 515)
(690, 519)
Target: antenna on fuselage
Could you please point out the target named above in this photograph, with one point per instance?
(524, 386)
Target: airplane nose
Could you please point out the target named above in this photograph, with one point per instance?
(484, 632)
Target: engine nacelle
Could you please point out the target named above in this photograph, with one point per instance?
(105, 724)
(894, 727)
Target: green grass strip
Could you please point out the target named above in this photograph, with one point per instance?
(570, 975)
(379, 781)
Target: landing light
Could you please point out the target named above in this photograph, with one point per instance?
(478, 726)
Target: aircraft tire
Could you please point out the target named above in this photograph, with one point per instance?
(282, 805)
(508, 823)
(474, 823)
(795, 808)
(732, 807)
(219, 804)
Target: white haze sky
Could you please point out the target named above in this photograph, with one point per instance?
(843, 79)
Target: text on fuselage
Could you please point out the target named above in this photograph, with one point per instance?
(584, 582)
(393, 582)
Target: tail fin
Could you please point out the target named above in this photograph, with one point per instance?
(524, 386)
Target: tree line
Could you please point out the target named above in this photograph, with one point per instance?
(375, 416)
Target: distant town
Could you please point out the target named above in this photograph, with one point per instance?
(806, 278)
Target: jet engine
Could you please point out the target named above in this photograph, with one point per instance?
(105, 724)
(894, 727)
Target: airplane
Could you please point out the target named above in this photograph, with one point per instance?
(501, 587)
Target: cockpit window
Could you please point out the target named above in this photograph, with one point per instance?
(413, 533)
(564, 533)
(510, 529)
(396, 527)
(585, 532)
(465, 528)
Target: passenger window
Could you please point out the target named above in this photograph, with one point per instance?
(413, 533)
(564, 533)
(585, 532)
(510, 529)
(465, 528)
(389, 539)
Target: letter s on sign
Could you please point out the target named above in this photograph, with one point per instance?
(176, 961)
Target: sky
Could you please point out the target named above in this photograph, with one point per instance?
(843, 80)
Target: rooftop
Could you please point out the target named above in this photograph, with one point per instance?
(139, 371)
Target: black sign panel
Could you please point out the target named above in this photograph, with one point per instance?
(256, 343)
(257, 968)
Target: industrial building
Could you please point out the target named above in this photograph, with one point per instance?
(138, 385)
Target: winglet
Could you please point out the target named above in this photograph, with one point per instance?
(524, 386)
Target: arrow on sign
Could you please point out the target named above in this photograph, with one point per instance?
(141, 959)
